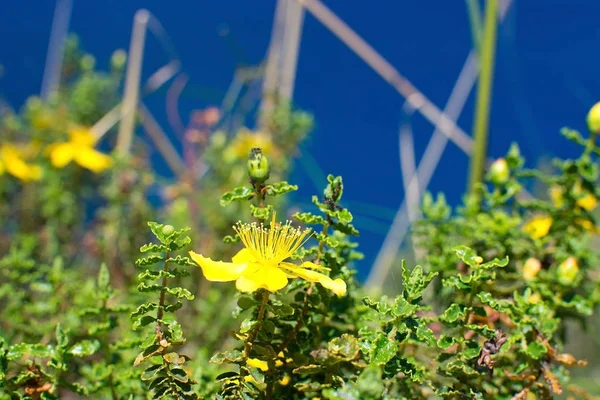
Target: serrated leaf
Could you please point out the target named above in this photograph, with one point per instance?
(536, 350)
(280, 188)
(154, 247)
(143, 321)
(426, 335)
(238, 194)
(454, 313)
(310, 219)
(182, 261)
(383, 350)
(181, 293)
(261, 213)
(149, 260)
(403, 308)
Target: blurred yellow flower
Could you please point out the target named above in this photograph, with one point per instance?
(285, 380)
(531, 268)
(12, 161)
(246, 140)
(261, 263)
(538, 226)
(568, 270)
(79, 148)
(256, 363)
(587, 202)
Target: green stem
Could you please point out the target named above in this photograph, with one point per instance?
(484, 93)
(259, 319)
(475, 22)
(161, 302)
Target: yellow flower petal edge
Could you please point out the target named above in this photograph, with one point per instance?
(538, 226)
(261, 263)
(256, 363)
(218, 271)
(11, 160)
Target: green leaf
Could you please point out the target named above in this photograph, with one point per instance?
(84, 348)
(280, 188)
(403, 308)
(238, 194)
(345, 347)
(536, 350)
(310, 219)
(468, 256)
(153, 247)
(261, 213)
(453, 313)
(282, 310)
(231, 239)
(103, 277)
(175, 331)
(383, 350)
(143, 321)
(62, 338)
(414, 281)
(150, 260)
(233, 356)
(37, 350)
(181, 261)
(247, 325)
(181, 293)
(246, 302)
(426, 335)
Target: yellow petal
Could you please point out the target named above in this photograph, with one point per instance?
(538, 227)
(256, 363)
(244, 256)
(16, 166)
(265, 277)
(337, 286)
(62, 154)
(1, 168)
(587, 202)
(218, 271)
(92, 159)
(82, 137)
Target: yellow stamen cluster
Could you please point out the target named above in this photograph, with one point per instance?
(275, 244)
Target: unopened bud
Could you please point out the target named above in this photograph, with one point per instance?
(87, 62)
(567, 271)
(167, 230)
(593, 119)
(531, 268)
(258, 166)
(118, 59)
(499, 172)
(334, 189)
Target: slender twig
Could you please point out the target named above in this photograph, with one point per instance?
(484, 94)
(132, 81)
(54, 58)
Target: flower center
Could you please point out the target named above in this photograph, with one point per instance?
(273, 244)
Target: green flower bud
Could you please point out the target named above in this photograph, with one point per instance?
(499, 172)
(167, 230)
(258, 166)
(118, 59)
(567, 271)
(593, 119)
(87, 62)
(334, 189)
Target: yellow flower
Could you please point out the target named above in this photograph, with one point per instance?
(593, 119)
(261, 263)
(80, 148)
(256, 363)
(568, 270)
(538, 226)
(285, 380)
(587, 201)
(245, 141)
(13, 162)
(531, 268)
